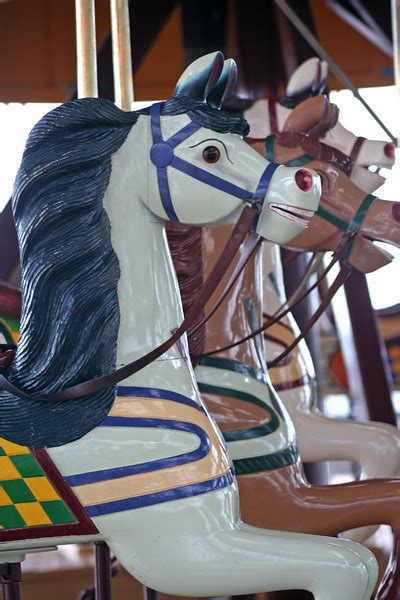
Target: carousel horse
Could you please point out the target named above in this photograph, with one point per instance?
(374, 446)
(268, 115)
(258, 430)
(142, 466)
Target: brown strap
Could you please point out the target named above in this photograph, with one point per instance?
(241, 229)
(339, 280)
(347, 240)
(355, 151)
(248, 251)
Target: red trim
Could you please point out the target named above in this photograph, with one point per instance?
(355, 151)
(84, 525)
(290, 385)
(10, 301)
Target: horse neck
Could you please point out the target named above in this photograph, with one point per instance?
(149, 299)
(241, 312)
(274, 289)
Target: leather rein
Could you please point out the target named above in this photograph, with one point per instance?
(162, 155)
(350, 229)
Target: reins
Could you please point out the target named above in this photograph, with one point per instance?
(345, 271)
(162, 155)
(239, 233)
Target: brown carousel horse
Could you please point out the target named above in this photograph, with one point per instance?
(258, 430)
(374, 446)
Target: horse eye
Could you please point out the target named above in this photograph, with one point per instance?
(211, 154)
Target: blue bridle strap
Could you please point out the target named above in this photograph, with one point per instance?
(162, 155)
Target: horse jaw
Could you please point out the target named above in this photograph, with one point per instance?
(366, 257)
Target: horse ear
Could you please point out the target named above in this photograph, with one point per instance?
(323, 77)
(308, 115)
(225, 85)
(306, 76)
(200, 77)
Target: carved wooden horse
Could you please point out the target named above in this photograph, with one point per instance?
(143, 468)
(375, 446)
(259, 432)
(268, 116)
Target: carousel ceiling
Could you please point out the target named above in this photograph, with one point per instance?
(37, 45)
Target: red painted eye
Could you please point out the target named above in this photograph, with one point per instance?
(389, 150)
(304, 180)
(211, 154)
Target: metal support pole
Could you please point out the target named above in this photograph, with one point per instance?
(371, 351)
(314, 43)
(149, 594)
(122, 59)
(86, 49)
(103, 571)
(10, 576)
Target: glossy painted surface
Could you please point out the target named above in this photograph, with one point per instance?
(201, 532)
(374, 446)
(273, 491)
(309, 77)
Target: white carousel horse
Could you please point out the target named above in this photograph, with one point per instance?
(310, 79)
(148, 467)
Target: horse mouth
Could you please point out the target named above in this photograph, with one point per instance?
(300, 216)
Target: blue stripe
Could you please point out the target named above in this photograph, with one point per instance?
(153, 465)
(165, 195)
(185, 491)
(183, 133)
(209, 179)
(157, 393)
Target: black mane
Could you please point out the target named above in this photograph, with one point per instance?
(70, 312)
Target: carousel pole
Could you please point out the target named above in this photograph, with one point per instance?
(86, 49)
(123, 93)
(87, 88)
(10, 577)
(122, 59)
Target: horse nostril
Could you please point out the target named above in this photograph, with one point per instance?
(304, 180)
(389, 150)
(396, 212)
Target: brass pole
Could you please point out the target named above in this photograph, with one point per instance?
(122, 59)
(86, 49)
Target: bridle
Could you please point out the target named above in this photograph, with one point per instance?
(162, 155)
(350, 230)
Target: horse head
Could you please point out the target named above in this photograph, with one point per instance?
(310, 79)
(344, 204)
(203, 145)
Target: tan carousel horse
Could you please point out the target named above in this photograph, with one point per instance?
(259, 432)
(374, 446)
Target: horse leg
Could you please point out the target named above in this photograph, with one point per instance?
(195, 552)
(374, 446)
